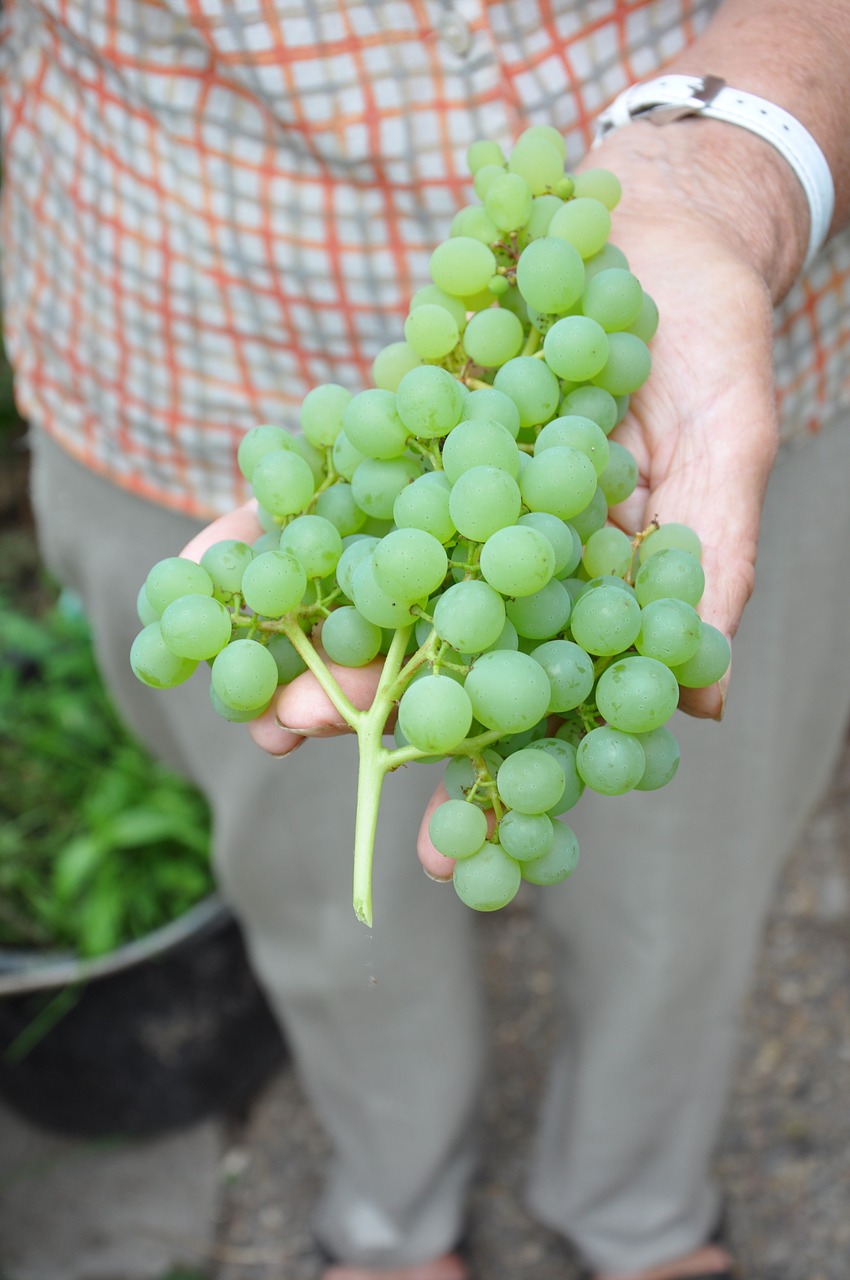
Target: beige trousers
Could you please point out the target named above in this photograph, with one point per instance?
(656, 933)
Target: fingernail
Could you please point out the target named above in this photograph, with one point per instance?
(437, 879)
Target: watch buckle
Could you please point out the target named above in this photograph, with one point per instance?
(701, 97)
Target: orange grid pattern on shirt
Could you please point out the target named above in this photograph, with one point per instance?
(211, 206)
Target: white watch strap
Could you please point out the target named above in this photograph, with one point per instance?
(673, 97)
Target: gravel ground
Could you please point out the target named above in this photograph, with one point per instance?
(784, 1154)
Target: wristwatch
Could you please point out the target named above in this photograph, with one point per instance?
(674, 97)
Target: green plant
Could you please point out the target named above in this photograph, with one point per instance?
(99, 843)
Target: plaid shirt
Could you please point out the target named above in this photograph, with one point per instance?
(212, 205)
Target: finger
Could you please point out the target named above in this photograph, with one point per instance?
(435, 864)
(241, 525)
(303, 707)
(271, 736)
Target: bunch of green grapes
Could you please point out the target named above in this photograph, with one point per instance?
(453, 518)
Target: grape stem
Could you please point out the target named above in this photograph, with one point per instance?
(376, 761)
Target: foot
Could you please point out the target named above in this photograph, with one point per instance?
(711, 1260)
(449, 1267)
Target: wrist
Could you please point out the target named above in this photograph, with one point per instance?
(734, 182)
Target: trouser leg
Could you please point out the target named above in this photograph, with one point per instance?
(384, 1023)
(658, 930)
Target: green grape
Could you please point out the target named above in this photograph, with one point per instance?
(536, 159)
(645, 323)
(225, 562)
(594, 403)
(315, 542)
(257, 442)
(316, 459)
(483, 500)
(508, 691)
(508, 202)
(174, 577)
(608, 551)
(619, 479)
(230, 713)
(370, 599)
(627, 366)
(429, 402)
(354, 549)
(462, 266)
(506, 639)
(558, 863)
(594, 516)
(431, 331)
(431, 295)
(493, 337)
(670, 573)
(543, 614)
(392, 363)
(560, 536)
(196, 627)
(670, 631)
(424, 504)
(600, 184)
(578, 433)
(377, 484)
(577, 348)
(493, 406)
(608, 256)
(274, 583)
(525, 836)
(322, 411)
(487, 881)
(372, 424)
(605, 621)
(570, 673)
(610, 761)
(267, 542)
(561, 481)
(457, 829)
(485, 176)
(338, 505)
(543, 209)
(662, 759)
(283, 482)
(708, 664)
(672, 534)
(244, 675)
(476, 443)
(409, 564)
(583, 222)
(565, 753)
(532, 387)
(470, 616)
(154, 663)
(530, 781)
(350, 639)
(462, 778)
(607, 580)
(637, 694)
(548, 132)
(473, 221)
(145, 611)
(550, 275)
(483, 152)
(612, 298)
(509, 743)
(287, 659)
(517, 560)
(435, 713)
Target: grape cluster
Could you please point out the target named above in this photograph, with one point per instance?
(453, 518)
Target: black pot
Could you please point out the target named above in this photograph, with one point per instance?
(159, 1034)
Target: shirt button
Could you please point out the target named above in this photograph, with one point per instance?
(454, 32)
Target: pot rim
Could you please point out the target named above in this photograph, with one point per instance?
(26, 971)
